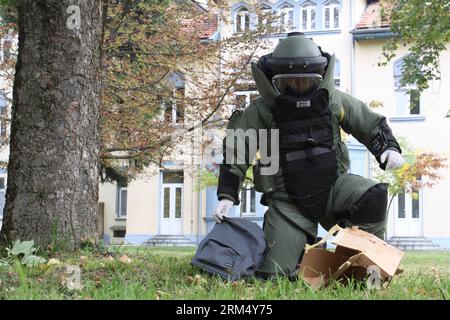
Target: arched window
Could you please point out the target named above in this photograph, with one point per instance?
(308, 16)
(242, 19)
(331, 15)
(173, 107)
(265, 13)
(286, 12)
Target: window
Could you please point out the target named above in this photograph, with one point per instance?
(242, 20)
(406, 104)
(337, 74)
(7, 46)
(308, 16)
(248, 202)
(415, 208)
(122, 202)
(119, 233)
(331, 15)
(173, 109)
(243, 98)
(401, 206)
(2, 184)
(409, 205)
(173, 177)
(265, 13)
(3, 116)
(287, 17)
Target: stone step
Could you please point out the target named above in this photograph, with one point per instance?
(169, 240)
(405, 237)
(169, 244)
(410, 242)
(168, 236)
(415, 247)
(165, 241)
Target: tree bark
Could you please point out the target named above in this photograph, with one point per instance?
(52, 189)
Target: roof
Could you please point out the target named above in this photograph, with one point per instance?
(205, 27)
(371, 17)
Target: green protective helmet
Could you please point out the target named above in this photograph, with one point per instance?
(297, 65)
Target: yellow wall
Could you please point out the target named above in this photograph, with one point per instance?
(107, 195)
(432, 134)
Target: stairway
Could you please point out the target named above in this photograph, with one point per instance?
(169, 240)
(412, 243)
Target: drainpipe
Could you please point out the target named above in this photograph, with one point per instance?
(352, 62)
(199, 204)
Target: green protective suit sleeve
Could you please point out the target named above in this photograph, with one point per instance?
(232, 174)
(367, 126)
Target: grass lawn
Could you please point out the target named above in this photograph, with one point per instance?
(166, 273)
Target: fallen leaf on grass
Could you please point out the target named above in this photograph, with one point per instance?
(83, 259)
(53, 262)
(124, 259)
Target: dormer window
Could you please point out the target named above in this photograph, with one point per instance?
(308, 16)
(331, 15)
(242, 20)
(287, 17)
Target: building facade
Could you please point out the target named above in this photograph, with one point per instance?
(169, 208)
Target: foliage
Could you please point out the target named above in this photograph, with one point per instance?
(421, 170)
(425, 27)
(166, 273)
(146, 44)
(207, 178)
(23, 252)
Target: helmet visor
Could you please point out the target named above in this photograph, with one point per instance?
(296, 84)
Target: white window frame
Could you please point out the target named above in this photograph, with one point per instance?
(3, 176)
(337, 76)
(401, 92)
(242, 14)
(264, 11)
(173, 114)
(332, 5)
(246, 211)
(120, 215)
(284, 11)
(308, 7)
(247, 94)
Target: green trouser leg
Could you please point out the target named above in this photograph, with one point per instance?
(348, 189)
(286, 231)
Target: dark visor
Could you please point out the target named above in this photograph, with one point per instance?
(296, 84)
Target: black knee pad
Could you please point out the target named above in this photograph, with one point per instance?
(371, 207)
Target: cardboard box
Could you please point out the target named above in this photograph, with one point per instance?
(358, 255)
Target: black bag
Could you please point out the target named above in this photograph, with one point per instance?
(233, 249)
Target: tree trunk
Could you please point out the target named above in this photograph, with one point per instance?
(52, 189)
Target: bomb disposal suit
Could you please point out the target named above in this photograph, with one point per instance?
(312, 185)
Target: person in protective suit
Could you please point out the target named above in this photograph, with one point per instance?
(297, 97)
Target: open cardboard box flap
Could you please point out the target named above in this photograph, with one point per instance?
(356, 251)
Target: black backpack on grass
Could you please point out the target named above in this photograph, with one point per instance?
(233, 249)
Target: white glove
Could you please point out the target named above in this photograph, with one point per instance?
(394, 159)
(223, 209)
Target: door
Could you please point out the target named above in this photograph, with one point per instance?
(171, 204)
(408, 218)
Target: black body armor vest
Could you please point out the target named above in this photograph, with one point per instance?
(307, 159)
